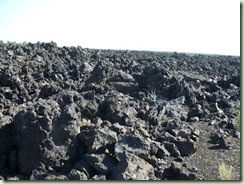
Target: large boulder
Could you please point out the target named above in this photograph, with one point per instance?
(98, 139)
(133, 144)
(132, 167)
(46, 134)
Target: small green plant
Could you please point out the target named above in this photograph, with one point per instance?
(225, 172)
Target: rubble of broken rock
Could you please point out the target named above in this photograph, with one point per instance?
(70, 113)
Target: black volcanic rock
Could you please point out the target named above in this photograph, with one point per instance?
(47, 135)
(87, 114)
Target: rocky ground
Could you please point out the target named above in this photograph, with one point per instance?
(84, 114)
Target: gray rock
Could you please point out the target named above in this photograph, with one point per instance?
(172, 149)
(220, 139)
(194, 138)
(37, 175)
(196, 111)
(102, 163)
(231, 124)
(133, 144)
(99, 177)
(122, 77)
(125, 87)
(66, 98)
(194, 119)
(56, 177)
(153, 160)
(119, 129)
(86, 68)
(154, 116)
(184, 133)
(45, 136)
(116, 108)
(49, 90)
(166, 136)
(77, 175)
(89, 107)
(132, 167)
(186, 147)
(69, 120)
(177, 172)
(162, 152)
(47, 175)
(159, 150)
(179, 159)
(238, 134)
(98, 138)
(171, 125)
(196, 132)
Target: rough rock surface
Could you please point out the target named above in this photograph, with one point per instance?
(72, 113)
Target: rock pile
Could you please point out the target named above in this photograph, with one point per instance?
(84, 114)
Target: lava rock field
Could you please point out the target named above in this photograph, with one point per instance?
(71, 113)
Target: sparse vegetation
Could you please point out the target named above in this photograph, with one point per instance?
(225, 172)
(152, 95)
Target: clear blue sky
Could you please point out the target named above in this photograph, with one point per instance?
(206, 26)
